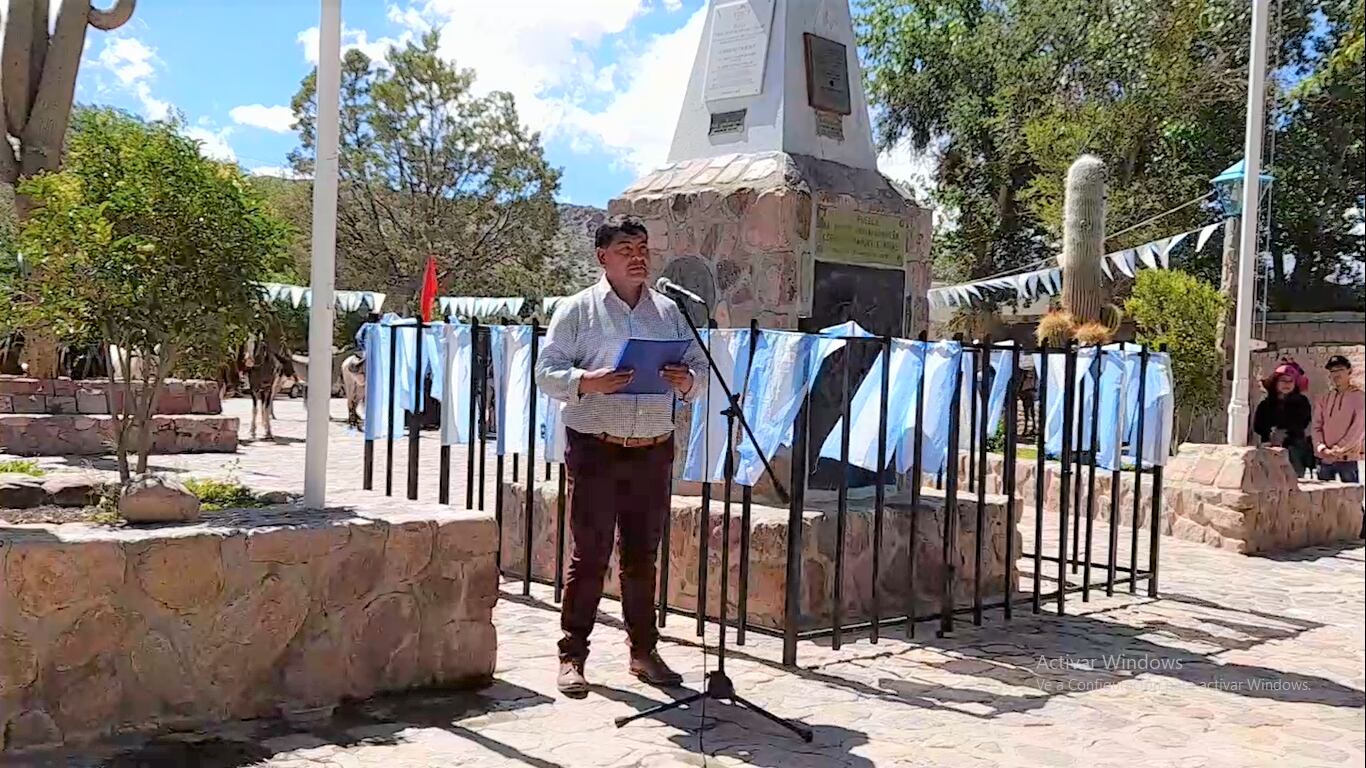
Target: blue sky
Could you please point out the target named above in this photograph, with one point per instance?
(601, 79)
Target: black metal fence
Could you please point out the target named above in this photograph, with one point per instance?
(1043, 579)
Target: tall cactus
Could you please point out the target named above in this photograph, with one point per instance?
(39, 81)
(1083, 240)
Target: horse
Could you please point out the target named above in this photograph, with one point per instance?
(264, 362)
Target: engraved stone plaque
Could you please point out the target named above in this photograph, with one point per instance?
(827, 75)
(829, 125)
(738, 49)
(727, 122)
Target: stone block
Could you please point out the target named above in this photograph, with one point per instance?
(239, 617)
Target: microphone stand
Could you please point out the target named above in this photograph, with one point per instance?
(719, 686)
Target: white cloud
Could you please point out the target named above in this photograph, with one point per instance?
(278, 171)
(277, 119)
(537, 50)
(133, 65)
(915, 169)
(214, 143)
(359, 39)
(672, 5)
(638, 123)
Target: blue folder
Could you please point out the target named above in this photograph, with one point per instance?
(646, 357)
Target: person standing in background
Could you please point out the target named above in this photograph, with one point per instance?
(1283, 418)
(1340, 424)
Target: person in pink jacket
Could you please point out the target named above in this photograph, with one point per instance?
(1340, 424)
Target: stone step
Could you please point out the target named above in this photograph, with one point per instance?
(93, 435)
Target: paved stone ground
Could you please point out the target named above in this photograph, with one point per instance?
(1242, 661)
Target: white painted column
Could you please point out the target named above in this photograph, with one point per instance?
(320, 316)
(1247, 253)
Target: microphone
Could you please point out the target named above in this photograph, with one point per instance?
(675, 291)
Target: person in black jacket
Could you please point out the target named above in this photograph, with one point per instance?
(1283, 418)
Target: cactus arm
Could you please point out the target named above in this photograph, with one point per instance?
(113, 18)
(25, 49)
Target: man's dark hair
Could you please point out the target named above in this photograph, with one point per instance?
(609, 232)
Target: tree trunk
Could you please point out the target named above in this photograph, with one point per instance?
(1083, 240)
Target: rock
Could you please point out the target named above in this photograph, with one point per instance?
(45, 577)
(72, 490)
(97, 631)
(18, 664)
(30, 729)
(157, 499)
(277, 497)
(182, 574)
(21, 491)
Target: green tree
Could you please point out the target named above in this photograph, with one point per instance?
(1320, 170)
(1007, 94)
(1182, 311)
(146, 244)
(428, 167)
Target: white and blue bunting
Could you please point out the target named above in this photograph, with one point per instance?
(302, 296)
(1047, 281)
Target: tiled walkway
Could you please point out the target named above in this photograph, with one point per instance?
(1241, 662)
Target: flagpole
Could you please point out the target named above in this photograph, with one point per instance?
(323, 268)
(1247, 253)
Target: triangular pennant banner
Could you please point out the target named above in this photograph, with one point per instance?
(1147, 254)
(1204, 235)
(1171, 244)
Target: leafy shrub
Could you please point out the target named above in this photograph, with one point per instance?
(221, 494)
(1181, 311)
(21, 467)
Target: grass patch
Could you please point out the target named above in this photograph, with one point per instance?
(221, 494)
(21, 467)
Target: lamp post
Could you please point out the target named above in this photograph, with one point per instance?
(1247, 252)
(323, 270)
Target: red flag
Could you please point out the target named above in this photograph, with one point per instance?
(429, 290)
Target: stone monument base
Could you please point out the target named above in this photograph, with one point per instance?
(245, 614)
(768, 543)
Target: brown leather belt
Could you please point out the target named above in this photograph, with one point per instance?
(634, 442)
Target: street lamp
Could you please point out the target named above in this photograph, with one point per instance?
(1247, 236)
(1228, 188)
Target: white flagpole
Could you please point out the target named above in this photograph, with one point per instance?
(324, 255)
(1247, 254)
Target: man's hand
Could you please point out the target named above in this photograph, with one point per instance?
(605, 381)
(678, 376)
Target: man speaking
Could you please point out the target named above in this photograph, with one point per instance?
(619, 452)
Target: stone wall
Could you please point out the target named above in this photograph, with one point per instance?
(65, 396)
(42, 435)
(1305, 329)
(739, 230)
(243, 615)
(1243, 499)
(768, 548)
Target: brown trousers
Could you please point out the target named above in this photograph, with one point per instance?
(612, 488)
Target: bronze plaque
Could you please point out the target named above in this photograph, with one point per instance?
(827, 74)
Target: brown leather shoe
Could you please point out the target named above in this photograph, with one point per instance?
(652, 669)
(572, 683)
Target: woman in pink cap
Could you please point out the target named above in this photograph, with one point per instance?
(1283, 418)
